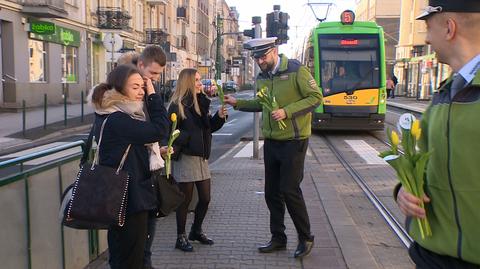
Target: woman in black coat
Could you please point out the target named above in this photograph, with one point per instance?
(119, 101)
(192, 150)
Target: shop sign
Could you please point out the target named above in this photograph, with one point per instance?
(42, 27)
(61, 35)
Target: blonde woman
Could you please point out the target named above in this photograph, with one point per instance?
(192, 150)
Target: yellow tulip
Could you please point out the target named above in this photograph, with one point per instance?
(415, 131)
(173, 117)
(418, 134)
(395, 139)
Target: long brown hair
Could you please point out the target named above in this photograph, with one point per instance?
(117, 79)
(185, 86)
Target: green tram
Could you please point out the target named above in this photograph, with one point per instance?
(347, 59)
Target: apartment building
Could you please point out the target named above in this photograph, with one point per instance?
(417, 68)
(385, 13)
(57, 47)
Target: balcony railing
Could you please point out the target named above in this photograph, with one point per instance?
(155, 36)
(113, 18)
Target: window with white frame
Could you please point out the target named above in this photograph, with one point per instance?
(69, 64)
(161, 23)
(37, 61)
(139, 17)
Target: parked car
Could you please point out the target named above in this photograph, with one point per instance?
(230, 86)
(209, 87)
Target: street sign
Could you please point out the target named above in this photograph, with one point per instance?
(112, 42)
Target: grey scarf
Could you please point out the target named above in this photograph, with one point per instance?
(114, 101)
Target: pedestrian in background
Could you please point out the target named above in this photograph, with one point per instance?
(390, 85)
(297, 95)
(450, 131)
(119, 102)
(192, 150)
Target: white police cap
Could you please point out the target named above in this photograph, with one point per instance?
(259, 46)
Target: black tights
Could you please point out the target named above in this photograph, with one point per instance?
(203, 188)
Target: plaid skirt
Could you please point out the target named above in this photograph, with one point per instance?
(190, 169)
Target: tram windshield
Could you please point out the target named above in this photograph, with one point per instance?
(349, 63)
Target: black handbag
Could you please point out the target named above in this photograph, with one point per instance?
(169, 196)
(98, 197)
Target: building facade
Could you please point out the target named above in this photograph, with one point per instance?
(417, 69)
(385, 13)
(60, 49)
(42, 52)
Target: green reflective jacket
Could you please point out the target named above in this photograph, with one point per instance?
(451, 130)
(296, 92)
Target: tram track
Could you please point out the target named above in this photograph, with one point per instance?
(386, 214)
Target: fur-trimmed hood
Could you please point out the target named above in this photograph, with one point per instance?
(114, 101)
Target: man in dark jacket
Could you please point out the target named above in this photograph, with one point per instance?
(297, 95)
(151, 63)
(450, 131)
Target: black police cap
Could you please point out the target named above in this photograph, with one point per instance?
(437, 6)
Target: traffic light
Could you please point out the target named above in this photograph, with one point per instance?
(271, 25)
(277, 25)
(283, 27)
(250, 33)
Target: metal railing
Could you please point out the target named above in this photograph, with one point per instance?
(155, 36)
(113, 18)
(32, 235)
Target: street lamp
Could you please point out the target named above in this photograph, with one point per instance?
(218, 47)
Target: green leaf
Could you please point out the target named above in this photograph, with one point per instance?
(420, 171)
(386, 153)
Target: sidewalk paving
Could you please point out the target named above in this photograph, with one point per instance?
(238, 222)
(408, 103)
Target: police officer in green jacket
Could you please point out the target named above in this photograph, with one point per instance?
(450, 130)
(297, 95)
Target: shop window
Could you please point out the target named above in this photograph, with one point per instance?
(37, 61)
(69, 64)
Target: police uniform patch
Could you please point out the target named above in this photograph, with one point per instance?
(284, 77)
(312, 83)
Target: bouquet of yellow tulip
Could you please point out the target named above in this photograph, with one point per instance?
(175, 133)
(268, 101)
(410, 166)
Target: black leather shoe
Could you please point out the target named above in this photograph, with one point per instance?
(183, 244)
(303, 248)
(200, 237)
(272, 246)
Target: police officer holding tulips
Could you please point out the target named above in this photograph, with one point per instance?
(286, 128)
(450, 130)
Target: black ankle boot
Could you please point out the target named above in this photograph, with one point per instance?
(183, 244)
(200, 237)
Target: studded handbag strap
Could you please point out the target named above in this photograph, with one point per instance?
(97, 152)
